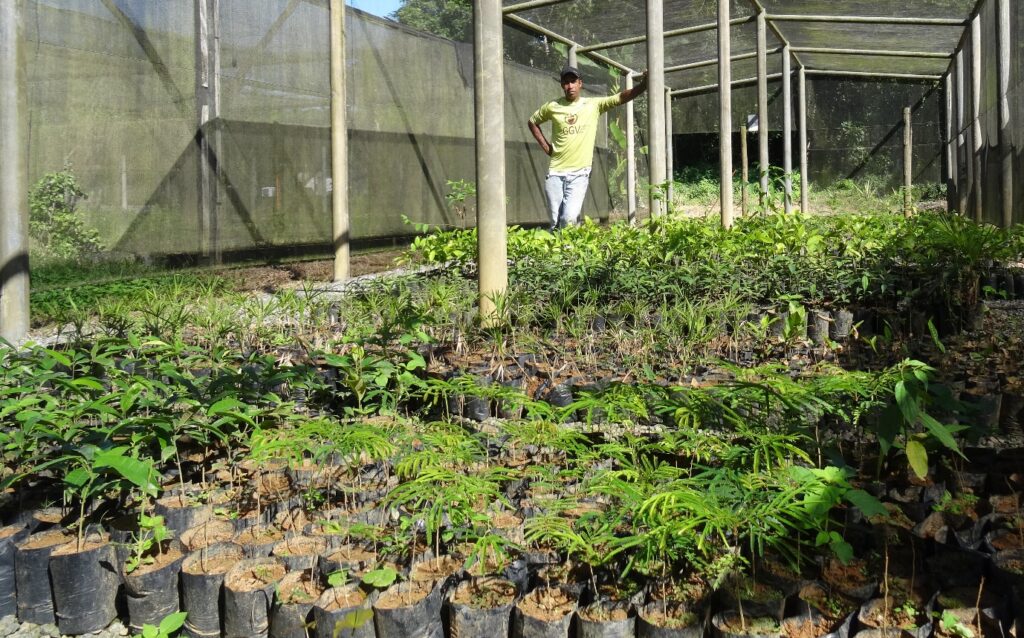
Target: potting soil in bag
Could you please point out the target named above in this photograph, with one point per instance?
(343, 612)
(482, 607)
(248, 595)
(604, 620)
(202, 582)
(32, 576)
(292, 611)
(661, 620)
(180, 514)
(85, 583)
(409, 610)
(10, 536)
(152, 589)
(546, 612)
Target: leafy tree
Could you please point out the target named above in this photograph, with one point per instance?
(53, 221)
(452, 19)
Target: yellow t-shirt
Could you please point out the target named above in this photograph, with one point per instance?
(573, 130)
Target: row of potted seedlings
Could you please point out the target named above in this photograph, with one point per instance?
(260, 565)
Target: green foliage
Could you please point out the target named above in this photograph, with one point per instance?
(168, 627)
(152, 533)
(459, 194)
(54, 224)
(452, 19)
(381, 578)
(951, 625)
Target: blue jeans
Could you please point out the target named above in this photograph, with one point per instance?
(565, 195)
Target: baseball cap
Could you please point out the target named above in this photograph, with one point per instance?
(569, 70)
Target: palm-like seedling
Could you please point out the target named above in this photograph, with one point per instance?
(592, 539)
(438, 444)
(446, 497)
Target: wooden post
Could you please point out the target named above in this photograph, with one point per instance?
(572, 59)
(14, 267)
(630, 156)
(762, 106)
(976, 132)
(204, 73)
(787, 128)
(669, 157)
(725, 113)
(745, 159)
(952, 168)
(804, 167)
(963, 185)
(656, 105)
(1005, 134)
(489, 101)
(339, 145)
(908, 162)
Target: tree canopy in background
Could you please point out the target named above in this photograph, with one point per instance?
(452, 19)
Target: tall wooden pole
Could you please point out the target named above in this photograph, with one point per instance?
(630, 156)
(669, 157)
(205, 74)
(656, 105)
(804, 166)
(725, 112)
(745, 170)
(1005, 134)
(339, 145)
(976, 132)
(14, 267)
(787, 128)
(489, 85)
(952, 168)
(963, 185)
(762, 106)
(908, 163)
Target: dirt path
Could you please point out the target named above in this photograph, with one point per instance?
(274, 277)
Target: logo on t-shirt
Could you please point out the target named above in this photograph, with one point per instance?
(571, 119)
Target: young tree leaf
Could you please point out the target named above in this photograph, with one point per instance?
(941, 432)
(353, 620)
(866, 503)
(172, 622)
(380, 578)
(918, 458)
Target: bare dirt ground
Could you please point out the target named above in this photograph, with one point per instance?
(269, 278)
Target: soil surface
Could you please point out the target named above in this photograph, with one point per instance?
(171, 552)
(45, 539)
(484, 593)
(218, 563)
(404, 595)
(207, 534)
(353, 554)
(300, 546)
(435, 569)
(604, 613)
(298, 587)
(341, 598)
(806, 627)
(547, 604)
(254, 577)
(271, 278)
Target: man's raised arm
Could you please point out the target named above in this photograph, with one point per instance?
(629, 95)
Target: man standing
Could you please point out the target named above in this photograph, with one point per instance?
(574, 122)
